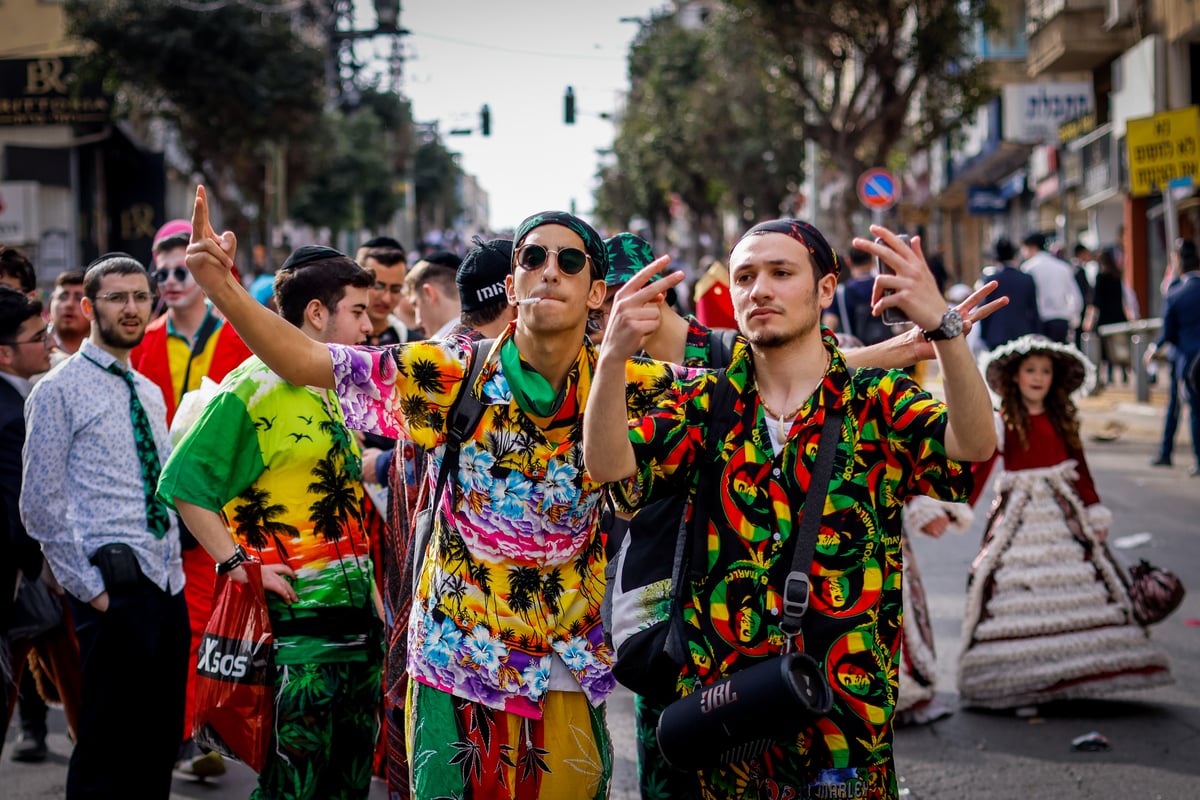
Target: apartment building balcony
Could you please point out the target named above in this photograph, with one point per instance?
(1073, 35)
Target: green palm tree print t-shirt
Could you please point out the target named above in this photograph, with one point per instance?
(277, 462)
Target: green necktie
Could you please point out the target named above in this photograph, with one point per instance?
(156, 512)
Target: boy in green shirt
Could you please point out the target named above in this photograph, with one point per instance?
(270, 471)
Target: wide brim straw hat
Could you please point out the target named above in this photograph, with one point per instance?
(1071, 367)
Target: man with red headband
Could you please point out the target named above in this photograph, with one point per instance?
(181, 348)
(891, 440)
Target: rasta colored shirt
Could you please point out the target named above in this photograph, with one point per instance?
(515, 579)
(891, 449)
(279, 464)
(696, 348)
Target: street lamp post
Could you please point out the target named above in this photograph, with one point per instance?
(342, 68)
(342, 34)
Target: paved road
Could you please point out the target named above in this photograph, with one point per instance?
(1154, 735)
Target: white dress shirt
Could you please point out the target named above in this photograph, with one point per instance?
(1058, 294)
(82, 486)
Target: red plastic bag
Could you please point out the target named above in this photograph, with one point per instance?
(235, 673)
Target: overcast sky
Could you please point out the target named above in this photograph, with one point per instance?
(519, 57)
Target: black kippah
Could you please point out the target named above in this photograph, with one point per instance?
(308, 254)
(109, 257)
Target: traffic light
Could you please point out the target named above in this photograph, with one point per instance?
(569, 106)
(485, 120)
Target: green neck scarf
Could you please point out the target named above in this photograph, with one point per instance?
(534, 393)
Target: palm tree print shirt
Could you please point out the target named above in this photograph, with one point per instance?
(514, 574)
(277, 461)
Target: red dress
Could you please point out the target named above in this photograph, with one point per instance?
(1048, 616)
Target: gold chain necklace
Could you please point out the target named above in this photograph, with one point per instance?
(783, 419)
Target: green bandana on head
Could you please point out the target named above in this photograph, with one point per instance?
(627, 254)
(592, 243)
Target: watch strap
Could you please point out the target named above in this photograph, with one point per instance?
(239, 557)
(940, 334)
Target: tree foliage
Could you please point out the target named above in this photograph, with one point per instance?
(364, 158)
(719, 114)
(435, 178)
(873, 77)
(701, 126)
(233, 82)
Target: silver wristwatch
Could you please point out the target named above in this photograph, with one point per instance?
(952, 325)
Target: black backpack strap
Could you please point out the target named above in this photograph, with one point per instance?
(797, 586)
(720, 422)
(720, 347)
(203, 333)
(691, 544)
(462, 419)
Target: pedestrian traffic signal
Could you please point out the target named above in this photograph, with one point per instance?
(485, 120)
(569, 106)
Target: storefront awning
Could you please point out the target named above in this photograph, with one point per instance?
(984, 169)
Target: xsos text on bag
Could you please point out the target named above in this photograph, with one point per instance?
(232, 660)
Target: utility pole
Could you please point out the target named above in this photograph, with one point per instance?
(341, 67)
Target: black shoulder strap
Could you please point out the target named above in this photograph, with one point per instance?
(690, 542)
(203, 333)
(797, 585)
(462, 419)
(720, 347)
(691, 546)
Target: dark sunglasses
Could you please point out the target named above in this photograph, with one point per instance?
(571, 260)
(180, 273)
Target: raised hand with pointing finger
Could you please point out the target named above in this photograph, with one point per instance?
(637, 309)
(210, 257)
(285, 349)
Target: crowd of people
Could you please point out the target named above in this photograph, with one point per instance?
(480, 651)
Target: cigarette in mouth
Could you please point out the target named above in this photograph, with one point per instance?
(528, 301)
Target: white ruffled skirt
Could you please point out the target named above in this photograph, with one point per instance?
(1048, 616)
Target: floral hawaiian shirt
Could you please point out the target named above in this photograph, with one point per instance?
(514, 574)
(891, 449)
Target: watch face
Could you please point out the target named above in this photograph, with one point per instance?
(952, 324)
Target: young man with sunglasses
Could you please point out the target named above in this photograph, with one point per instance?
(181, 348)
(485, 314)
(96, 437)
(190, 341)
(891, 441)
(508, 664)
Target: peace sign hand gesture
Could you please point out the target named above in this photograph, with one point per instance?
(210, 257)
(637, 309)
